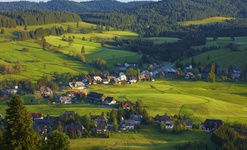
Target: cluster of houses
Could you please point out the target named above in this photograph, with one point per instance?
(112, 79)
(232, 73)
(46, 126)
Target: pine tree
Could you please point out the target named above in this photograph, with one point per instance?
(83, 49)
(19, 133)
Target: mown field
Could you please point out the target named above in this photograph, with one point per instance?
(205, 21)
(224, 57)
(146, 138)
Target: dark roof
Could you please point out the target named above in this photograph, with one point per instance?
(76, 127)
(163, 118)
(47, 122)
(126, 104)
(212, 122)
(187, 122)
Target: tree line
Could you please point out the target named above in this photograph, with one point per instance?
(71, 6)
(35, 17)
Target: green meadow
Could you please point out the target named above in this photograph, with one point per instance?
(224, 57)
(47, 62)
(146, 138)
(205, 21)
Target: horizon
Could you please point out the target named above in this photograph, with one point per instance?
(70, 0)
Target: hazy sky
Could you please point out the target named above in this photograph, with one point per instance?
(70, 0)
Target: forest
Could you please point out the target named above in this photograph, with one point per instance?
(72, 6)
(162, 18)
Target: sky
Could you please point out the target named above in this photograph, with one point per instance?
(70, 0)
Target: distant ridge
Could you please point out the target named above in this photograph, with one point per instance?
(71, 6)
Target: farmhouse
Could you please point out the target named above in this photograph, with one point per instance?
(77, 85)
(136, 118)
(127, 125)
(110, 100)
(169, 124)
(112, 79)
(105, 81)
(95, 97)
(163, 118)
(65, 99)
(45, 91)
(36, 116)
(126, 105)
(45, 125)
(212, 124)
(101, 124)
(98, 79)
(187, 123)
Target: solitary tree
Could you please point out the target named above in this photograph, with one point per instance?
(57, 140)
(83, 49)
(19, 133)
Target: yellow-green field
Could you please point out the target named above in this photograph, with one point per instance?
(205, 21)
(146, 138)
(223, 57)
(49, 62)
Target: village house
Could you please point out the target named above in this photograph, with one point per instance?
(45, 91)
(122, 77)
(97, 79)
(35, 116)
(169, 124)
(65, 100)
(101, 124)
(77, 85)
(127, 125)
(187, 123)
(105, 81)
(44, 125)
(212, 124)
(110, 100)
(162, 119)
(112, 79)
(136, 118)
(96, 97)
(126, 105)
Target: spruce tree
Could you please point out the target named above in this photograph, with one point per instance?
(19, 134)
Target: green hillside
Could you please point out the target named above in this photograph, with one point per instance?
(37, 62)
(224, 57)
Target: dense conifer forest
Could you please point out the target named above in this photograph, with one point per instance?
(72, 6)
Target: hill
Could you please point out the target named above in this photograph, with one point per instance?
(71, 6)
(161, 18)
(36, 62)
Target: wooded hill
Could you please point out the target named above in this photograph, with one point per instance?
(35, 17)
(72, 6)
(161, 18)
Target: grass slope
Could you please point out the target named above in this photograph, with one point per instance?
(146, 138)
(195, 100)
(11, 51)
(205, 21)
(224, 57)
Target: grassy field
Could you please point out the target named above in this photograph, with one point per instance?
(146, 138)
(195, 100)
(11, 51)
(224, 57)
(205, 21)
